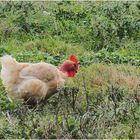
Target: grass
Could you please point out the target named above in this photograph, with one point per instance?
(102, 100)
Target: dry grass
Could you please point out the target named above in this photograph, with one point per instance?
(117, 75)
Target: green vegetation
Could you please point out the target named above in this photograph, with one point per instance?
(102, 101)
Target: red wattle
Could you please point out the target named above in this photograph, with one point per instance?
(71, 73)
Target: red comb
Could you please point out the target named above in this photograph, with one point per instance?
(74, 59)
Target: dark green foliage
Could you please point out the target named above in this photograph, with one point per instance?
(97, 26)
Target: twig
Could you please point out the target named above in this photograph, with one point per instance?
(85, 91)
(8, 118)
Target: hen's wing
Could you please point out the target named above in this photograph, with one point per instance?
(38, 80)
(33, 88)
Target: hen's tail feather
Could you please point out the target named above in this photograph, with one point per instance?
(8, 62)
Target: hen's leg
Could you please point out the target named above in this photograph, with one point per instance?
(32, 88)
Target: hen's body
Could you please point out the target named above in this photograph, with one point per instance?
(27, 80)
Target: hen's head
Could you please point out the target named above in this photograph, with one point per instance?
(70, 66)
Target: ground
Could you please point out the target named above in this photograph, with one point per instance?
(102, 100)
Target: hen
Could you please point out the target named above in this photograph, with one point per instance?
(35, 81)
